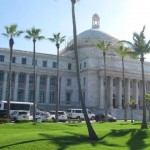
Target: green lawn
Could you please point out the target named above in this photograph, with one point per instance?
(63, 136)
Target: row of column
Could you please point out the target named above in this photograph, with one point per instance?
(15, 91)
(118, 92)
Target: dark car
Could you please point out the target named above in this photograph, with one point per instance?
(101, 118)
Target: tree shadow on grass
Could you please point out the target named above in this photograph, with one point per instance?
(136, 141)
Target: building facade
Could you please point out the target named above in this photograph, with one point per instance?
(91, 71)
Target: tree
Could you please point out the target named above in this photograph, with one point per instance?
(34, 35)
(147, 97)
(92, 134)
(123, 52)
(57, 39)
(102, 45)
(132, 105)
(11, 32)
(140, 47)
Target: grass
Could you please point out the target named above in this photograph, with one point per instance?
(63, 136)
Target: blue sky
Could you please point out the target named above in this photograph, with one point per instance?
(119, 18)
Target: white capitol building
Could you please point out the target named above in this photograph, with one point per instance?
(91, 71)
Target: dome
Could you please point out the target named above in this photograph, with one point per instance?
(92, 36)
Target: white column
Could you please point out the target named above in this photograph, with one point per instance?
(119, 93)
(27, 87)
(16, 86)
(128, 90)
(101, 101)
(111, 93)
(47, 89)
(136, 93)
(4, 86)
(37, 88)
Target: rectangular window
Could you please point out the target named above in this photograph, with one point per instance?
(24, 60)
(31, 79)
(84, 64)
(20, 95)
(69, 66)
(42, 97)
(42, 80)
(68, 98)
(22, 78)
(31, 96)
(84, 80)
(14, 60)
(114, 82)
(2, 58)
(1, 76)
(52, 97)
(54, 64)
(80, 65)
(44, 63)
(52, 81)
(35, 62)
(68, 82)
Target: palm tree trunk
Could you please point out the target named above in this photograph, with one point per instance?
(92, 134)
(124, 92)
(34, 74)
(144, 123)
(131, 115)
(11, 42)
(105, 80)
(57, 100)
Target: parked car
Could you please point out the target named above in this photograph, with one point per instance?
(101, 118)
(62, 115)
(78, 114)
(45, 116)
(20, 115)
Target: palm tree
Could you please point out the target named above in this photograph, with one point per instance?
(92, 134)
(147, 97)
(102, 45)
(57, 39)
(140, 47)
(123, 52)
(34, 35)
(132, 105)
(11, 31)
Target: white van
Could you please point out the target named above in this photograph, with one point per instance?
(78, 114)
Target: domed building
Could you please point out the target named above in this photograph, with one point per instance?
(91, 73)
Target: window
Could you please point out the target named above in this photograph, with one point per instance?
(69, 66)
(14, 60)
(42, 80)
(35, 62)
(138, 84)
(51, 97)
(52, 80)
(54, 65)
(31, 96)
(42, 97)
(84, 64)
(68, 82)
(114, 82)
(1, 76)
(24, 60)
(84, 80)
(68, 98)
(80, 65)
(31, 79)
(2, 58)
(20, 95)
(22, 78)
(44, 63)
